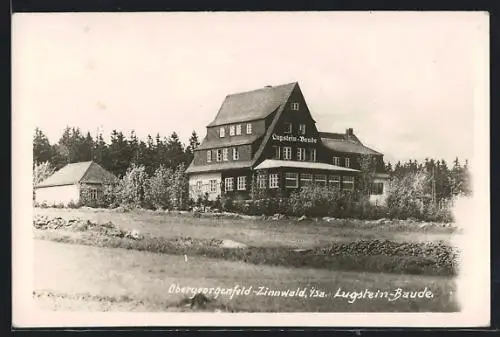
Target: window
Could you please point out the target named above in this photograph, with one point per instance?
(231, 130)
(312, 155)
(377, 188)
(228, 182)
(295, 106)
(336, 161)
(213, 185)
(236, 153)
(306, 178)
(302, 129)
(320, 179)
(291, 180)
(287, 152)
(225, 154)
(277, 152)
(287, 128)
(262, 180)
(198, 186)
(242, 183)
(347, 162)
(348, 183)
(209, 156)
(222, 132)
(334, 181)
(301, 153)
(93, 194)
(273, 180)
(219, 154)
(249, 128)
(238, 129)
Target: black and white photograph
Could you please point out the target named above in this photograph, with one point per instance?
(250, 168)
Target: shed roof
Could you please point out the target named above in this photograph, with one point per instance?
(230, 165)
(227, 141)
(252, 105)
(82, 172)
(274, 163)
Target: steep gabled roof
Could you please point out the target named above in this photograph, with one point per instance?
(82, 172)
(271, 128)
(252, 105)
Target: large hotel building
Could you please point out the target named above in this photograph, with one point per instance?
(267, 138)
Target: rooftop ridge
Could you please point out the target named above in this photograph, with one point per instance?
(261, 89)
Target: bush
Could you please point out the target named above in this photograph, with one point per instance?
(158, 189)
(227, 204)
(131, 190)
(73, 204)
(217, 203)
(105, 197)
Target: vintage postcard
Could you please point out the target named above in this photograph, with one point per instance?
(251, 169)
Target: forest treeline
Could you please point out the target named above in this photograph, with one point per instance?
(439, 180)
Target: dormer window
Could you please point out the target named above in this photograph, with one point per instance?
(347, 162)
(231, 130)
(336, 161)
(222, 132)
(249, 128)
(295, 106)
(302, 129)
(288, 128)
(238, 129)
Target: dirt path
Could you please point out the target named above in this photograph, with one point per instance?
(74, 277)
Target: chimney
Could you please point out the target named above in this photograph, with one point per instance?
(348, 133)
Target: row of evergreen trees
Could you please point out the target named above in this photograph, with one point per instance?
(442, 181)
(118, 155)
(169, 152)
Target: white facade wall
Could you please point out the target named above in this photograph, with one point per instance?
(204, 179)
(380, 199)
(57, 194)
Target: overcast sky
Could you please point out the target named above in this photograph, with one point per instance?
(403, 81)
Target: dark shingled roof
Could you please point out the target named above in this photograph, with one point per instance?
(337, 142)
(227, 141)
(82, 172)
(252, 105)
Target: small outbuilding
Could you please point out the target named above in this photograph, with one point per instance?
(66, 185)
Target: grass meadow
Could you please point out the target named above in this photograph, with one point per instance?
(72, 276)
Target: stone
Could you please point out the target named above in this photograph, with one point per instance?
(135, 234)
(302, 250)
(232, 244)
(302, 218)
